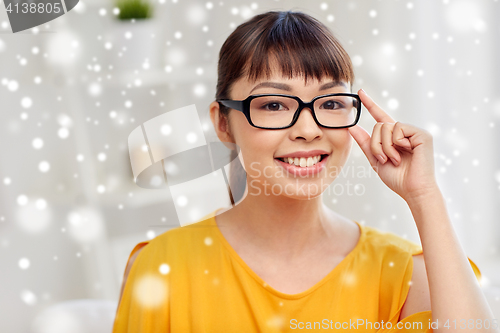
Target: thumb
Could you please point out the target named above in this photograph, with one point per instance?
(362, 137)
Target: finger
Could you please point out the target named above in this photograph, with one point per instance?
(388, 145)
(399, 138)
(362, 137)
(376, 111)
(376, 143)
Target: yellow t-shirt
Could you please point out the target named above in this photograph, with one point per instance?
(189, 279)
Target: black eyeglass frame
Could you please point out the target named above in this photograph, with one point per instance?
(244, 107)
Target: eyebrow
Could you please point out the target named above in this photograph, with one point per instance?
(284, 86)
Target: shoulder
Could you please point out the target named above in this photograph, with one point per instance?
(390, 257)
(402, 270)
(390, 242)
(172, 246)
(176, 243)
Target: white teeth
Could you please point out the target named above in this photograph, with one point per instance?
(302, 161)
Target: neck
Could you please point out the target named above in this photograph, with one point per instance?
(281, 224)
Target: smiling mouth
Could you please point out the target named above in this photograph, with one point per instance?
(303, 161)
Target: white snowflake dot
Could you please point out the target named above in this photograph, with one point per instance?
(393, 104)
(44, 166)
(191, 137)
(101, 189)
(164, 269)
(199, 90)
(63, 132)
(182, 201)
(41, 204)
(24, 263)
(22, 200)
(37, 143)
(166, 129)
(28, 297)
(26, 102)
(12, 85)
(357, 60)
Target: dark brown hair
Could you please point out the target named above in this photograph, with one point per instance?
(297, 42)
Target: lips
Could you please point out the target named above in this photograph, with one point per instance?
(306, 154)
(304, 171)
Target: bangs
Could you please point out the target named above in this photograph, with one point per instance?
(295, 48)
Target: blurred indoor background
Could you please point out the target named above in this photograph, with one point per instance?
(73, 90)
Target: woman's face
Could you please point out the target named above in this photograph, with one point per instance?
(262, 149)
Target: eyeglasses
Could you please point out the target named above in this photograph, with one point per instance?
(277, 111)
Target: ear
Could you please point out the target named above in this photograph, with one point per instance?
(221, 124)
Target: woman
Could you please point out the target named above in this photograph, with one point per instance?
(280, 260)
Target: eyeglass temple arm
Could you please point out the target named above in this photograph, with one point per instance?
(237, 105)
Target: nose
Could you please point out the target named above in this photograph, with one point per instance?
(305, 127)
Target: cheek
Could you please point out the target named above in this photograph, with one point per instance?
(341, 141)
(257, 146)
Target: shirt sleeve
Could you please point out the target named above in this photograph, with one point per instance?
(144, 305)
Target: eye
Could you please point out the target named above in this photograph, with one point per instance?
(274, 106)
(331, 105)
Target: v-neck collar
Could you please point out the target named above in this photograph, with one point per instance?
(234, 255)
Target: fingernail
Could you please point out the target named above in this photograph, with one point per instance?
(381, 159)
(394, 161)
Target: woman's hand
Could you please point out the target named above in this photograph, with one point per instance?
(401, 154)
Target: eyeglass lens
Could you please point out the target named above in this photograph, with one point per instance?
(278, 111)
